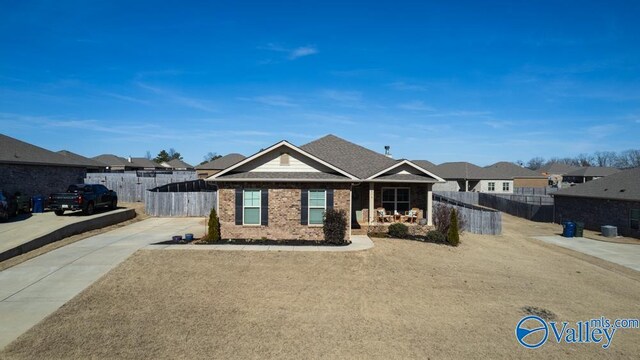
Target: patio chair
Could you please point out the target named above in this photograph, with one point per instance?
(411, 216)
(382, 216)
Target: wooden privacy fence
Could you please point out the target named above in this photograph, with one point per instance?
(540, 212)
(180, 203)
(462, 196)
(133, 188)
(534, 191)
(477, 220)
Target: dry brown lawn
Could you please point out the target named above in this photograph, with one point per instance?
(401, 299)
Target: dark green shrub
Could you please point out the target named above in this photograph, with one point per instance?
(453, 236)
(435, 236)
(398, 230)
(335, 227)
(214, 228)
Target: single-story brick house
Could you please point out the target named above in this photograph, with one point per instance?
(215, 166)
(612, 200)
(32, 170)
(282, 191)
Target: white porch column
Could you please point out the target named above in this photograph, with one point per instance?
(429, 205)
(371, 195)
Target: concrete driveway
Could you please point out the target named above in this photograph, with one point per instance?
(627, 255)
(36, 288)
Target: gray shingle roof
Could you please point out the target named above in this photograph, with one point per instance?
(145, 163)
(407, 178)
(179, 164)
(556, 169)
(425, 164)
(593, 171)
(459, 170)
(347, 156)
(283, 176)
(222, 163)
(623, 185)
(90, 163)
(19, 152)
(112, 160)
(507, 170)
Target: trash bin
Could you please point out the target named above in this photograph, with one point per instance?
(579, 229)
(38, 204)
(609, 231)
(568, 229)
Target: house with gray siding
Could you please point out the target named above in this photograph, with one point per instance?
(612, 200)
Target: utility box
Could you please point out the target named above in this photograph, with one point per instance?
(609, 231)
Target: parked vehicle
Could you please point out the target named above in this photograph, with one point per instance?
(8, 207)
(85, 197)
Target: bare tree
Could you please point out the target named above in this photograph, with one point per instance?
(628, 159)
(604, 158)
(535, 163)
(148, 155)
(584, 160)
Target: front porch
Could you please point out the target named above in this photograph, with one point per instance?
(396, 199)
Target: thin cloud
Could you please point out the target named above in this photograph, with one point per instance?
(127, 98)
(497, 124)
(416, 105)
(403, 86)
(190, 102)
(291, 53)
(272, 100)
(344, 98)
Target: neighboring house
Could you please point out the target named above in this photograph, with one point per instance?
(612, 200)
(501, 177)
(145, 164)
(33, 170)
(215, 166)
(522, 177)
(459, 176)
(588, 173)
(282, 192)
(92, 165)
(555, 172)
(117, 164)
(177, 165)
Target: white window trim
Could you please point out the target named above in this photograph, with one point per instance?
(489, 186)
(395, 197)
(309, 207)
(251, 207)
(508, 187)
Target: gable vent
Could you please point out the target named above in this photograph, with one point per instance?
(284, 159)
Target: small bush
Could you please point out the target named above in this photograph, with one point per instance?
(398, 230)
(442, 219)
(214, 228)
(453, 236)
(335, 226)
(435, 236)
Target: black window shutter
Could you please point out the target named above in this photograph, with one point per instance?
(329, 198)
(238, 206)
(304, 207)
(264, 207)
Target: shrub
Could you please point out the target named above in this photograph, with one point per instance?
(453, 236)
(435, 236)
(335, 226)
(398, 230)
(214, 228)
(442, 219)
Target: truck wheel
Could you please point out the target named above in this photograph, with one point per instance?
(59, 212)
(114, 204)
(89, 209)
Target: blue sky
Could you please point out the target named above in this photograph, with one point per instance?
(476, 81)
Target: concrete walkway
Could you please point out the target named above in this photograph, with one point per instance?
(36, 288)
(627, 255)
(358, 242)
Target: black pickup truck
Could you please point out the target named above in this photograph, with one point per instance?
(85, 197)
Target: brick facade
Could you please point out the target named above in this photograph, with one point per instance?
(284, 210)
(38, 179)
(596, 212)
